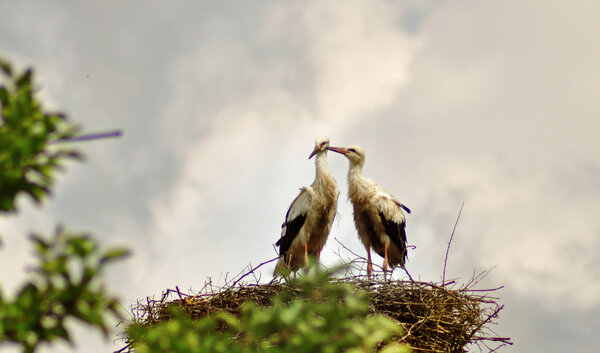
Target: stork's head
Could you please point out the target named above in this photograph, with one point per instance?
(355, 154)
(321, 144)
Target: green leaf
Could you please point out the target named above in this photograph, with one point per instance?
(7, 204)
(74, 154)
(28, 296)
(114, 254)
(5, 66)
(3, 96)
(41, 245)
(24, 80)
(81, 246)
(61, 332)
(395, 348)
(36, 192)
(228, 319)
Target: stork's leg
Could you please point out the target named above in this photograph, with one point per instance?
(385, 261)
(369, 266)
(306, 254)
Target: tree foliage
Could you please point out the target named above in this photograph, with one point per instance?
(316, 315)
(65, 284)
(66, 281)
(27, 164)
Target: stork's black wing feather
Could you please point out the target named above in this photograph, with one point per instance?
(405, 208)
(402, 206)
(294, 219)
(292, 228)
(397, 233)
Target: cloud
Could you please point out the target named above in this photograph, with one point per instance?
(527, 225)
(358, 53)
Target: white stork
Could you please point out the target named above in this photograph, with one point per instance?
(378, 216)
(309, 218)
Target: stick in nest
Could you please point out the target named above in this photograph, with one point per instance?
(450, 242)
(360, 260)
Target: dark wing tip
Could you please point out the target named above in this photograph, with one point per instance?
(291, 231)
(405, 208)
(402, 206)
(397, 235)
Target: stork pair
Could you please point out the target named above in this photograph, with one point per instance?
(378, 216)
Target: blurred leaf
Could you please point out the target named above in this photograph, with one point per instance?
(36, 192)
(61, 332)
(74, 155)
(25, 78)
(7, 204)
(5, 67)
(395, 348)
(230, 320)
(115, 254)
(80, 246)
(41, 244)
(3, 96)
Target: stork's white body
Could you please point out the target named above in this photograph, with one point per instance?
(378, 216)
(372, 205)
(308, 220)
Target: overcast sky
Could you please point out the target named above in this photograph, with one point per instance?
(490, 103)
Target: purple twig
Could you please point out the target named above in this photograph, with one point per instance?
(88, 137)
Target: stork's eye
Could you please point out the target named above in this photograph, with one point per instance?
(351, 150)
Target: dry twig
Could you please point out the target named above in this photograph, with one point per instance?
(450, 242)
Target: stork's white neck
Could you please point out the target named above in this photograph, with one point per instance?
(355, 171)
(321, 164)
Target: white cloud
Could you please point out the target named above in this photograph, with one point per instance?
(526, 224)
(358, 53)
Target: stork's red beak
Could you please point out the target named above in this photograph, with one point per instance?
(317, 149)
(340, 150)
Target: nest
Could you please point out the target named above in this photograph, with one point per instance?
(435, 317)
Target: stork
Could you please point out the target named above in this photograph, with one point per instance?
(309, 218)
(378, 216)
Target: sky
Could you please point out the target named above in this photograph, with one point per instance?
(490, 103)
